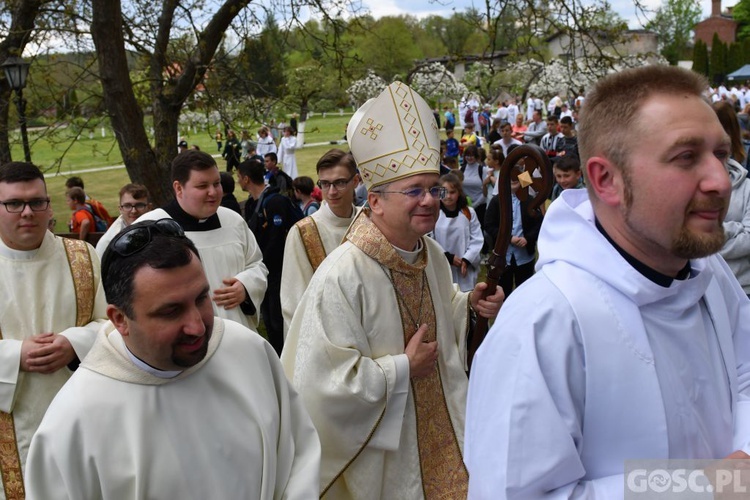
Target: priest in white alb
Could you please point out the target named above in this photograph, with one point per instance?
(377, 347)
(230, 254)
(53, 304)
(314, 237)
(172, 402)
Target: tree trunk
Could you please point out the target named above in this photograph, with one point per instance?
(301, 134)
(146, 164)
(141, 162)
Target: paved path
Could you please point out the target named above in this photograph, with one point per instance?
(116, 167)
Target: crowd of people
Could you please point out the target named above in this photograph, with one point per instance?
(135, 370)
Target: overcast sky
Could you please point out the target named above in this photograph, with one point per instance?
(423, 8)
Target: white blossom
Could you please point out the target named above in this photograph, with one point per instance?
(368, 87)
(434, 82)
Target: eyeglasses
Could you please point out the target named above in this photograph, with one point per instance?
(18, 206)
(340, 183)
(134, 206)
(418, 193)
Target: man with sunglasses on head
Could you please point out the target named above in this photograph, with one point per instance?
(377, 346)
(229, 251)
(172, 402)
(53, 304)
(314, 237)
(134, 202)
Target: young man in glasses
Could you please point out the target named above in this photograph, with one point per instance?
(230, 254)
(134, 202)
(377, 346)
(314, 237)
(172, 402)
(53, 305)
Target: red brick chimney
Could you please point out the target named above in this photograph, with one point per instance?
(715, 8)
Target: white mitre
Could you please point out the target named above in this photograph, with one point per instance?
(394, 136)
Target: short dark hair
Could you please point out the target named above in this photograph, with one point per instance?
(336, 157)
(227, 182)
(190, 160)
(19, 171)
(272, 156)
(137, 191)
(552, 118)
(76, 194)
(472, 151)
(566, 120)
(304, 184)
(568, 163)
(74, 181)
(253, 169)
(162, 252)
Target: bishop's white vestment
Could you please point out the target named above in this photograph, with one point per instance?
(227, 249)
(298, 252)
(231, 427)
(383, 434)
(39, 297)
(593, 362)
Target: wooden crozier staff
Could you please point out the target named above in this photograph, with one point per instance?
(535, 160)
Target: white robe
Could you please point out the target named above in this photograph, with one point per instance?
(590, 364)
(297, 271)
(345, 355)
(39, 297)
(287, 158)
(462, 237)
(265, 145)
(117, 226)
(230, 427)
(230, 251)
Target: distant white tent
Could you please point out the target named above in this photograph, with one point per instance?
(741, 74)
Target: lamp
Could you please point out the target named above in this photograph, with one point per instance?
(16, 70)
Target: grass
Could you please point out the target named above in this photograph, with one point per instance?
(63, 151)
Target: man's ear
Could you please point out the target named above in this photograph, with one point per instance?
(373, 200)
(118, 318)
(605, 180)
(177, 189)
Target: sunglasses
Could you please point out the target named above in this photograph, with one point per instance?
(134, 238)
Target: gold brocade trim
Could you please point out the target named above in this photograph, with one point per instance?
(82, 272)
(316, 252)
(10, 460)
(444, 475)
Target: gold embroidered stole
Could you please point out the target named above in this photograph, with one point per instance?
(444, 475)
(82, 270)
(308, 231)
(10, 460)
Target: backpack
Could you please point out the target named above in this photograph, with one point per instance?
(100, 211)
(482, 119)
(310, 204)
(450, 121)
(100, 226)
(259, 220)
(469, 116)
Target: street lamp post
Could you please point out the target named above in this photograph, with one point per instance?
(16, 71)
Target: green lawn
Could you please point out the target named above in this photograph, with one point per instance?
(62, 152)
